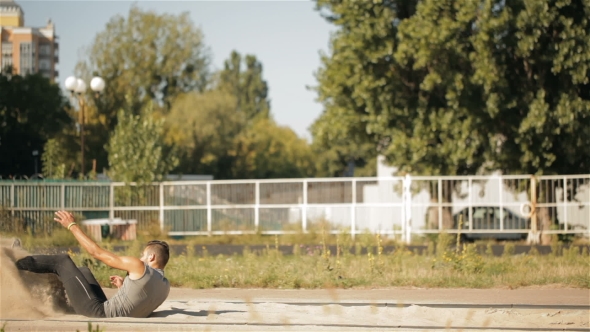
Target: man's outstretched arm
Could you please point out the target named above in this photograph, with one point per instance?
(133, 265)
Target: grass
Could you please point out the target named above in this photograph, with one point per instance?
(445, 265)
(446, 262)
(60, 237)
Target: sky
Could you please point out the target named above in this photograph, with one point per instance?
(285, 36)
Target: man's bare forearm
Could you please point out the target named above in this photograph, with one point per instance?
(85, 241)
(66, 219)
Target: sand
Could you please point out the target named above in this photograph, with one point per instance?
(395, 309)
(24, 294)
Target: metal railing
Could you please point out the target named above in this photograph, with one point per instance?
(401, 206)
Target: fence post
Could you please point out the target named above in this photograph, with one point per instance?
(12, 200)
(500, 187)
(535, 226)
(112, 201)
(257, 205)
(161, 188)
(353, 210)
(470, 205)
(565, 225)
(62, 197)
(209, 207)
(407, 198)
(440, 207)
(304, 208)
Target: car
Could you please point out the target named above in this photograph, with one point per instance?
(488, 218)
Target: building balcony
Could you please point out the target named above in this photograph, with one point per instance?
(56, 59)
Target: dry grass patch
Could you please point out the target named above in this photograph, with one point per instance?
(315, 267)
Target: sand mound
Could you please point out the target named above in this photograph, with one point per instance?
(25, 294)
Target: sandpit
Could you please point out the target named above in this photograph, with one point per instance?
(26, 295)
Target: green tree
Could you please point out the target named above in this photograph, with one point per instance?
(149, 56)
(54, 160)
(246, 84)
(532, 60)
(213, 128)
(137, 151)
(212, 138)
(204, 126)
(460, 87)
(356, 84)
(461, 84)
(337, 144)
(32, 110)
(266, 150)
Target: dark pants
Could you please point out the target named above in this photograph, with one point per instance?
(84, 292)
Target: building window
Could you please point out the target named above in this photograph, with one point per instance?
(7, 48)
(6, 59)
(45, 50)
(27, 59)
(45, 64)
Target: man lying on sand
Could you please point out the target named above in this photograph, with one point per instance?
(143, 290)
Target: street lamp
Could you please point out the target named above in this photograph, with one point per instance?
(77, 88)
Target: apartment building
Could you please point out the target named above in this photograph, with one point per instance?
(27, 49)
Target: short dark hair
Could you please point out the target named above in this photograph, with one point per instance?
(161, 250)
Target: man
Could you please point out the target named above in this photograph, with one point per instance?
(143, 290)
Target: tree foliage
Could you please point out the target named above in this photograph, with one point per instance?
(227, 130)
(149, 56)
(204, 126)
(137, 151)
(532, 64)
(442, 87)
(54, 160)
(246, 85)
(213, 138)
(355, 83)
(458, 87)
(32, 111)
(267, 150)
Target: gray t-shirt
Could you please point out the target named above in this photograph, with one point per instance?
(139, 298)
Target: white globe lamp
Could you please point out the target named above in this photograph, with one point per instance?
(80, 86)
(97, 84)
(71, 83)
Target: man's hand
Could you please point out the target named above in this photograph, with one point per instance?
(117, 281)
(65, 218)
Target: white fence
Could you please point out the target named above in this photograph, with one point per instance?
(401, 206)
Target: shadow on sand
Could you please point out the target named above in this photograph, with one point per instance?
(200, 313)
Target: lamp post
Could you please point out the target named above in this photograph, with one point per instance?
(77, 88)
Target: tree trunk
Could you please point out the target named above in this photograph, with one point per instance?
(545, 223)
(432, 216)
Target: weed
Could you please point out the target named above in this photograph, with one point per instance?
(97, 329)
(508, 250)
(489, 252)
(556, 247)
(190, 251)
(430, 249)
(459, 232)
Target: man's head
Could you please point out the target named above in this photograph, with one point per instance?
(156, 254)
